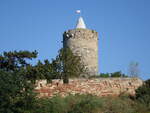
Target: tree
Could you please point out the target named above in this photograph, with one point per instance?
(114, 74)
(105, 75)
(16, 93)
(134, 69)
(46, 70)
(117, 74)
(56, 68)
(69, 64)
(13, 61)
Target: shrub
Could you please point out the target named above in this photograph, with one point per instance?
(117, 105)
(118, 74)
(114, 74)
(104, 75)
(16, 93)
(143, 94)
(53, 105)
(89, 104)
(86, 104)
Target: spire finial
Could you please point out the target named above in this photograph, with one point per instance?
(80, 22)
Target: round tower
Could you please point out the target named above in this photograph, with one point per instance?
(83, 42)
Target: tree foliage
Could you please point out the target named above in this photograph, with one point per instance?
(69, 64)
(46, 70)
(14, 60)
(16, 91)
(114, 74)
(118, 74)
(143, 93)
(105, 75)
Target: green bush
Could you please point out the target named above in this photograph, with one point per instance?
(89, 104)
(143, 94)
(118, 105)
(86, 104)
(16, 93)
(118, 74)
(104, 75)
(114, 74)
(53, 105)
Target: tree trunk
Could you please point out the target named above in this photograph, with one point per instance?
(65, 79)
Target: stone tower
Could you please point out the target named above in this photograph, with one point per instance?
(83, 42)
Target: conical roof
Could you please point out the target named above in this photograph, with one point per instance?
(80, 23)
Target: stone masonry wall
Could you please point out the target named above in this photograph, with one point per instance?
(96, 86)
(84, 43)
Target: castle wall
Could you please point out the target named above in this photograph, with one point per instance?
(84, 43)
(96, 86)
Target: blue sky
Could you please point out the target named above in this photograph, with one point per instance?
(123, 27)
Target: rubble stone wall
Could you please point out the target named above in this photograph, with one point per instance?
(96, 86)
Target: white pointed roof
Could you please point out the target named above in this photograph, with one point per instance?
(80, 23)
